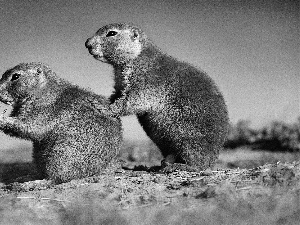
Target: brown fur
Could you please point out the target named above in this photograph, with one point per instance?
(71, 140)
(180, 107)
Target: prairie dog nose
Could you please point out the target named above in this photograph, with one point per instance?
(88, 43)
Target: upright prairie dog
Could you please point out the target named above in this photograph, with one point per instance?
(180, 107)
(70, 138)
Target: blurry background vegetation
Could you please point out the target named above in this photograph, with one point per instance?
(276, 136)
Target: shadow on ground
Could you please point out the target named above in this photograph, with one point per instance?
(17, 172)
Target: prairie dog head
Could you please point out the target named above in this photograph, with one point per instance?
(22, 81)
(116, 43)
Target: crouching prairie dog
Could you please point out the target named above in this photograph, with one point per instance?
(179, 106)
(70, 138)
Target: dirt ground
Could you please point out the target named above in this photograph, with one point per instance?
(233, 196)
(266, 194)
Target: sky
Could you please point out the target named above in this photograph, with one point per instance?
(249, 48)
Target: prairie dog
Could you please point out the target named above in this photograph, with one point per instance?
(179, 106)
(70, 138)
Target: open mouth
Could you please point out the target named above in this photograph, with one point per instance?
(97, 55)
(91, 51)
(94, 52)
(100, 58)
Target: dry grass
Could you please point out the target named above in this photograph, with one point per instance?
(222, 203)
(269, 195)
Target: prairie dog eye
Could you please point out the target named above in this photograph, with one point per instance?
(15, 76)
(39, 70)
(111, 33)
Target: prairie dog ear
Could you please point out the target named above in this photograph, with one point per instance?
(135, 34)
